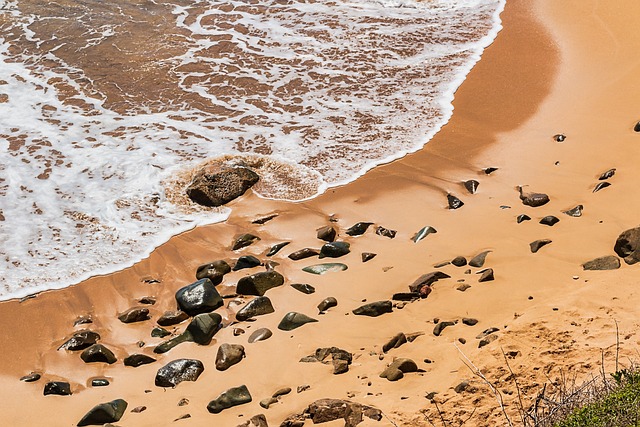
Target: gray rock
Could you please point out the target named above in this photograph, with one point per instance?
(385, 232)
(109, 412)
(276, 248)
(374, 309)
(427, 280)
(177, 371)
(533, 199)
(213, 271)
(327, 303)
(60, 388)
(454, 202)
(368, 256)
(304, 288)
(170, 318)
(219, 186)
(627, 245)
(437, 330)
(198, 297)
(303, 253)
(98, 353)
(358, 229)
(549, 220)
(259, 283)
(293, 320)
(330, 267)
(247, 261)
(136, 360)
(260, 335)
(536, 245)
(327, 233)
(135, 314)
(609, 262)
(228, 355)
(478, 260)
(243, 241)
(334, 250)
(232, 397)
(256, 307)
(398, 368)
(80, 340)
(471, 186)
(486, 275)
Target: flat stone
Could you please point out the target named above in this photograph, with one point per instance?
(99, 382)
(247, 261)
(334, 250)
(229, 355)
(304, 288)
(276, 248)
(213, 271)
(533, 199)
(385, 232)
(395, 342)
(158, 332)
(327, 303)
(303, 254)
(427, 280)
(260, 335)
(60, 388)
(536, 245)
(423, 232)
(198, 297)
(135, 314)
(136, 360)
(259, 283)
(170, 318)
(80, 340)
(147, 300)
(367, 256)
(469, 321)
(243, 241)
(609, 262)
(405, 296)
(32, 377)
(486, 341)
(330, 267)
(264, 219)
(358, 229)
(459, 261)
(601, 186)
(479, 260)
(98, 353)
(232, 397)
(608, 174)
(256, 307)
(293, 320)
(549, 220)
(327, 233)
(104, 413)
(177, 371)
(374, 309)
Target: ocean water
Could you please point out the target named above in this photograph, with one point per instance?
(105, 108)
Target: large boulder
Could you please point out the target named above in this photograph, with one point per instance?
(173, 373)
(628, 245)
(216, 186)
(609, 262)
(104, 413)
(199, 297)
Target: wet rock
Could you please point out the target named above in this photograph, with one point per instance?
(136, 360)
(459, 261)
(471, 186)
(203, 327)
(104, 413)
(170, 318)
(609, 262)
(627, 245)
(328, 233)
(255, 421)
(264, 219)
(256, 307)
(83, 320)
(198, 297)
(385, 232)
(600, 186)
(608, 174)
(574, 212)
(331, 267)
(334, 250)
(358, 229)
(523, 217)
(30, 378)
(486, 275)
(559, 137)
(398, 368)
(276, 248)
(469, 321)
(478, 260)
(159, 332)
(489, 170)
(437, 330)
(394, 342)
(177, 371)
(368, 256)
(147, 300)
(248, 261)
(327, 303)
(303, 253)
(636, 128)
(304, 288)
(374, 309)
(213, 271)
(259, 283)
(243, 241)
(216, 186)
(98, 353)
(135, 314)
(260, 335)
(80, 340)
(549, 220)
(228, 355)
(99, 382)
(293, 320)
(405, 296)
(536, 245)
(427, 280)
(232, 397)
(454, 202)
(533, 199)
(60, 388)
(423, 232)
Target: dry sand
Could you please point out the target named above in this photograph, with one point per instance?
(557, 67)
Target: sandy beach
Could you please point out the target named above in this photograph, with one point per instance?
(556, 68)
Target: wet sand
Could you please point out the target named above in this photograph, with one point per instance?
(555, 68)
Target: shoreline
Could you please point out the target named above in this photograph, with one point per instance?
(551, 316)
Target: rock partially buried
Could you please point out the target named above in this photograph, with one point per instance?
(608, 174)
(98, 353)
(256, 307)
(303, 253)
(437, 330)
(80, 340)
(213, 271)
(574, 212)
(536, 245)
(385, 232)
(600, 186)
(422, 233)
(358, 229)
(368, 256)
(256, 421)
(327, 303)
(32, 377)
(478, 260)
(334, 250)
(244, 241)
(459, 261)
(232, 397)
(327, 233)
(135, 314)
(628, 245)
(260, 335)
(374, 309)
(341, 359)
(304, 288)
(327, 410)
(549, 220)
(427, 280)
(247, 261)
(330, 267)
(200, 330)
(609, 262)
(471, 186)
(294, 320)
(218, 186)
(136, 360)
(454, 202)
(523, 217)
(533, 199)
(104, 413)
(276, 248)
(198, 297)
(228, 355)
(398, 368)
(177, 371)
(259, 283)
(170, 318)
(60, 388)
(486, 275)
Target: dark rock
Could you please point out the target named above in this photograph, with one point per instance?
(328, 233)
(575, 212)
(441, 264)
(248, 261)
(282, 392)
(244, 241)
(170, 318)
(398, 368)
(80, 340)
(472, 186)
(228, 355)
(266, 402)
(32, 377)
(334, 249)
(213, 271)
(203, 327)
(276, 248)
(271, 265)
(489, 170)
(374, 309)
(459, 261)
(427, 280)
(523, 217)
(232, 397)
(464, 385)
(423, 232)
(264, 219)
(99, 382)
(478, 260)
(147, 300)
(219, 186)
(549, 220)
(608, 174)
(559, 137)
(83, 320)
(609, 262)
(368, 256)
(256, 421)
(463, 287)
(454, 202)
(260, 335)
(303, 253)
(628, 245)
(440, 327)
(469, 321)
(136, 360)
(256, 307)
(198, 297)
(304, 288)
(385, 232)
(327, 410)
(358, 229)
(486, 275)
(293, 320)
(536, 245)
(405, 296)
(340, 359)
(139, 409)
(487, 340)
(600, 186)
(104, 413)
(330, 267)
(487, 332)
(177, 371)
(60, 388)
(135, 314)
(98, 353)
(533, 199)
(159, 332)
(394, 342)
(327, 303)
(636, 128)
(259, 283)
